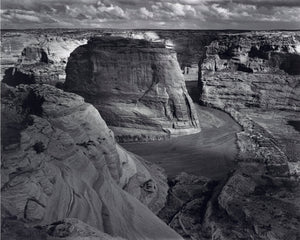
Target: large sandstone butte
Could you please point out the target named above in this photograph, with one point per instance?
(136, 85)
(60, 160)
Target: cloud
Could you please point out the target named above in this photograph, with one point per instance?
(165, 10)
(270, 3)
(151, 13)
(19, 16)
(145, 13)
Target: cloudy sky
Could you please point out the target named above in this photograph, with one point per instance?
(189, 14)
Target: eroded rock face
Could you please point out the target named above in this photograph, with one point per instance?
(254, 52)
(66, 229)
(135, 84)
(243, 91)
(252, 71)
(261, 198)
(186, 205)
(60, 160)
(255, 78)
(29, 58)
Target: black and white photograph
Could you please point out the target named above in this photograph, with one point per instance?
(150, 119)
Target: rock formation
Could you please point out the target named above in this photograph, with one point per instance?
(66, 229)
(36, 58)
(136, 85)
(255, 78)
(252, 71)
(260, 200)
(60, 160)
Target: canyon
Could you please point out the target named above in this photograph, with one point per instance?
(81, 158)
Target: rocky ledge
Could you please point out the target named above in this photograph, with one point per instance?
(252, 71)
(136, 85)
(60, 160)
(255, 78)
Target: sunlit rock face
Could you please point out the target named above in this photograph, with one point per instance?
(60, 160)
(136, 85)
(36, 57)
(255, 78)
(253, 70)
(65, 229)
(257, 75)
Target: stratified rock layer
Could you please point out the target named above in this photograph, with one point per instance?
(255, 78)
(136, 85)
(66, 229)
(252, 70)
(261, 198)
(60, 160)
(30, 58)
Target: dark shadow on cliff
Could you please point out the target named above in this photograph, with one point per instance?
(14, 77)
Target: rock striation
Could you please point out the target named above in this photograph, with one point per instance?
(66, 229)
(260, 200)
(255, 78)
(36, 57)
(60, 160)
(136, 85)
(252, 71)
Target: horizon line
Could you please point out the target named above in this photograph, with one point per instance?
(167, 29)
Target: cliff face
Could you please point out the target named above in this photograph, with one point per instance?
(134, 84)
(253, 71)
(255, 78)
(60, 160)
(257, 75)
(36, 58)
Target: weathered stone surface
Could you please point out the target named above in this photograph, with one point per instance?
(254, 52)
(66, 229)
(252, 71)
(255, 78)
(186, 205)
(60, 160)
(136, 85)
(261, 199)
(245, 91)
(36, 57)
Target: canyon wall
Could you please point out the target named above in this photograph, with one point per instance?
(257, 75)
(255, 78)
(136, 85)
(254, 70)
(36, 58)
(60, 160)
(260, 198)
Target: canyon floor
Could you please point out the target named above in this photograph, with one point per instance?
(210, 153)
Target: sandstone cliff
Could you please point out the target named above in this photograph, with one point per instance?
(36, 58)
(136, 85)
(255, 78)
(60, 160)
(252, 71)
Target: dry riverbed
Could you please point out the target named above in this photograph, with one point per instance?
(210, 153)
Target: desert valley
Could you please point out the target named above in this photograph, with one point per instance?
(150, 134)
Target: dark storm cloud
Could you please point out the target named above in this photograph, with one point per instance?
(151, 13)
